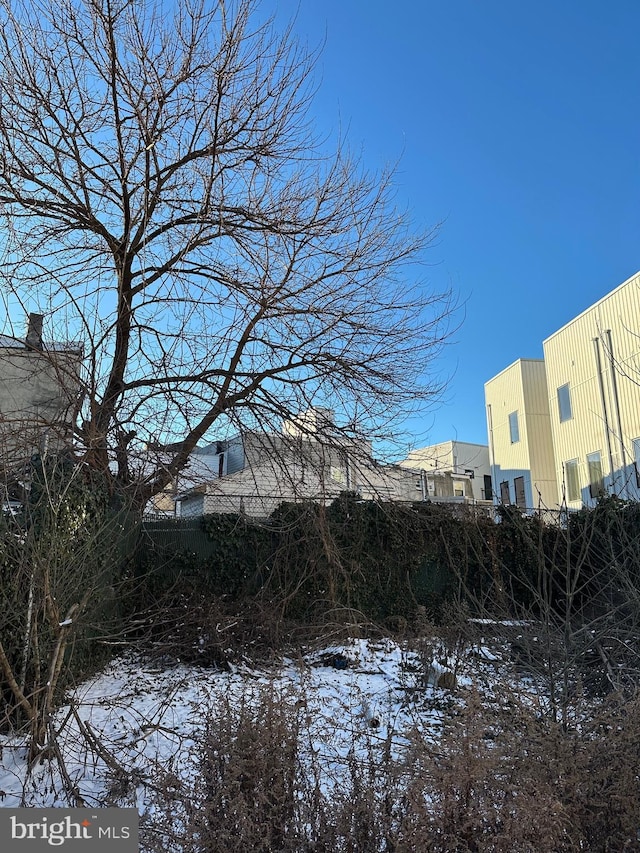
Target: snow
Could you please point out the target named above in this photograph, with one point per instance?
(355, 698)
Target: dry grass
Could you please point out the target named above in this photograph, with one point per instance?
(501, 778)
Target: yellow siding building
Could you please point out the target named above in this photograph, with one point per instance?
(593, 374)
(565, 429)
(520, 447)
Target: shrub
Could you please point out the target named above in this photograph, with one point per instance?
(62, 561)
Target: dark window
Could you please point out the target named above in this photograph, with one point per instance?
(488, 488)
(564, 403)
(596, 479)
(221, 465)
(504, 493)
(521, 500)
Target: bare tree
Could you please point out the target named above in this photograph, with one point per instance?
(167, 202)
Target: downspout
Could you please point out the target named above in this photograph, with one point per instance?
(616, 403)
(596, 345)
(493, 479)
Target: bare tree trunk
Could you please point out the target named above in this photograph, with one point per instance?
(167, 199)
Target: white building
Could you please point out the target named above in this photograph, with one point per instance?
(255, 472)
(467, 463)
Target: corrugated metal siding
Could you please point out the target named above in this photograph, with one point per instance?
(504, 394)
(571, 358)
(522, 388)
(538, 430)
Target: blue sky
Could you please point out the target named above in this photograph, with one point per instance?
(518, 126)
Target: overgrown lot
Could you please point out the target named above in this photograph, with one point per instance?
(261, 703)
(360, 745)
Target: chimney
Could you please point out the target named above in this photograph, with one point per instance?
(34, 332)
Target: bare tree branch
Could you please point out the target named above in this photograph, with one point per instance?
(167, 203)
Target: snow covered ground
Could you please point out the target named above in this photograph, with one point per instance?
(139, 723)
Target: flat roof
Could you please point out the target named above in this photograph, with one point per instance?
(595, 305)
(511, 366)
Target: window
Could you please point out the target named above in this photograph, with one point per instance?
(337, 475)
(596, 479)
(458, 489)
(572, 481)
(564, 403)
(514, 431)
(636, 459)
(521, 500)
(504, 493)
(488, 488)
